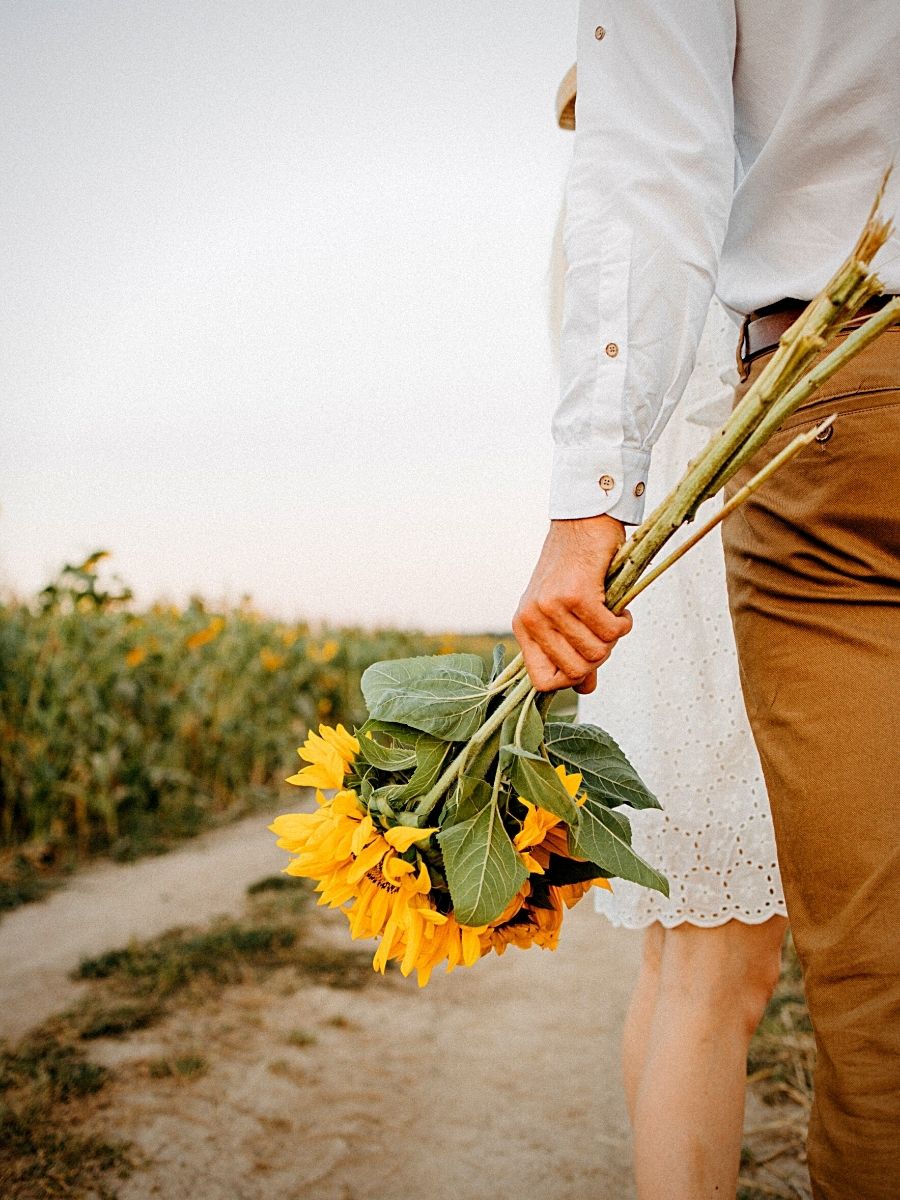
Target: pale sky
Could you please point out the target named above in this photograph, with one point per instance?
(274, 311)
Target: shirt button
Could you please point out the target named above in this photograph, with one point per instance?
(599, 33)
(612, 349)
(639, 489)
(607, 483)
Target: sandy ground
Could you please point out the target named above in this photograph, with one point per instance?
(489, 1084)
(107, 905)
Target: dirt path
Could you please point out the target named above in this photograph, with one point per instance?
(490, 1084)
(107, 905)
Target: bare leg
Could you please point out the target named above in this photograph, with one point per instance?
(688, 1111)
(638, 1022)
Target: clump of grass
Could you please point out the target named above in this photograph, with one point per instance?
(272, 883)
(176, 960)
(301, 1038)
(48, 1065)
(136, 984)
(349, 969)
(779, 1071)
(188, 1066)
(96, 1018)
(44, 1154)
(27, 876)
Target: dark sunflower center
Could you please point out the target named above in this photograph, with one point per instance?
(377, 877)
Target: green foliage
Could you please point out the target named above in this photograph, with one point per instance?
(604, 837)
(496, 750)
(484, 871)
(444, 695)
(606, 774)
(533, 777)
(123, 729)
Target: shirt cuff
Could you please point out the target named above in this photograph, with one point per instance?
(590, 481)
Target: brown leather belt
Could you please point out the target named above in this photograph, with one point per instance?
(762, 329)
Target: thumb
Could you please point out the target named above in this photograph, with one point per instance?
(588, 684)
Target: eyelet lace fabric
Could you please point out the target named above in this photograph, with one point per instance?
(670, 696)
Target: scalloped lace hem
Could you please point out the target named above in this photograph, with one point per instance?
(670, 920)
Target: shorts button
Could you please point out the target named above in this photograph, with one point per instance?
(607, 482)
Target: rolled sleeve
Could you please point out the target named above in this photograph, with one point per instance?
(647, 203)
(590, 481)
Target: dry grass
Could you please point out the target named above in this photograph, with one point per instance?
(47, 1084)
(779, 1068)
(52, 1145)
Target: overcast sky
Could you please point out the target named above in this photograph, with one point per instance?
(274, 298)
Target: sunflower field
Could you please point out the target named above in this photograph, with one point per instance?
(122, 728)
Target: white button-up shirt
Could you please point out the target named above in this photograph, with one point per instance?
(732, 146)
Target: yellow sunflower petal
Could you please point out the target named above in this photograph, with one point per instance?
(345, 743)
(346, 804)
(570, 782)
(534, 867)
(361, 835)
(394, 868)
(401, 837)
(370, 857)
(538, 822)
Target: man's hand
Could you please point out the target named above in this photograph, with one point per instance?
(564, 628)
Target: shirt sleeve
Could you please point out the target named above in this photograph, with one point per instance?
(647, 202)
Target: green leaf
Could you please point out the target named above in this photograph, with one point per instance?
(607, 775)
(393, 672)
(534, 778)
(599, 839)
(467, 799)
(430, 755)
(471, 796)
(484, 871)
(397, 735)
(428, 693)
(497, 661)
(532, 728)
(385, 757)
(478, 765)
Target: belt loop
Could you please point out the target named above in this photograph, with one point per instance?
(743, 350)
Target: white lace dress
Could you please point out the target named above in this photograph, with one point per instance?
(671, 698)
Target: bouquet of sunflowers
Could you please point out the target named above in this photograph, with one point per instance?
(458, 819)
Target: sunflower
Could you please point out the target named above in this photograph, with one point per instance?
(378, 876)
(329, 753)
(373, 874)
(546, 835)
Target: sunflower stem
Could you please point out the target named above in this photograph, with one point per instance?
(744, 493)
(509, 704)
(848, 289)
(509, 672)
(520, 723)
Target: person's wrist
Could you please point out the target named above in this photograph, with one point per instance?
(601, 529)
